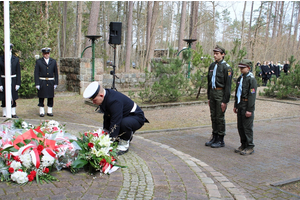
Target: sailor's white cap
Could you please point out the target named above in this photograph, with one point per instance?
(92, 90)
(46, 50)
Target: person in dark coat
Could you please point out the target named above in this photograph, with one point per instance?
(286, 67)
(219, 79)
(15, 82)
(266, 73)
(244, 106)
(277, 70)
(46, 80)
(122, 116)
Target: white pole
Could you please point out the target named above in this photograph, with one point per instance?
(7, 60)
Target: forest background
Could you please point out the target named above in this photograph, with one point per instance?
(267, 31)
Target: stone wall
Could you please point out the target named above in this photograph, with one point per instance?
(76, 74)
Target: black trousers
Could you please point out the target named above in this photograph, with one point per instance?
(14, 104)
(49, 102)
(129, 125)
(245, 126)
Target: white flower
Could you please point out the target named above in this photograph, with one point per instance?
(52, 123)
(24, 125)
(26, 160)
(16, 165)
(105, 140)
(47, 160)
(102, 152)
(19, 177)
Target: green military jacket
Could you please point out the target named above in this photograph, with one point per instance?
(223, 79)
(249, 90)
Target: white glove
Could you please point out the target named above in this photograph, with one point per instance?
(37, 87)
(1, 88)
(17, 87)
(55, 86)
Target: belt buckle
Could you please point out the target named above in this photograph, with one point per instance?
(47, 79)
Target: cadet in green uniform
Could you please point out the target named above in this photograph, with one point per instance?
(218, 93)
(244, 106)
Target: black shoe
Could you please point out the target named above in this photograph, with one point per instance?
(122, 152)
(50, 114)
(218, 144)
(42, 115)
(247, 151)
(14, 116)
(213, 139)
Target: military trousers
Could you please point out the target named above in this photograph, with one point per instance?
(216, 114)
(129, 125)
(245, 126)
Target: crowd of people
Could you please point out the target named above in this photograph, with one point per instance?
(268, 69)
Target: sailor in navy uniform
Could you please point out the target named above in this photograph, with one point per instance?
(46, 80)
(122, 117)
(15, 83)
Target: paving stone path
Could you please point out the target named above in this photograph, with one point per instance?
(177, 165)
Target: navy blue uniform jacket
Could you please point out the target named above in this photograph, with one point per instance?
(115, 107)
(15, 70)
(46, 71)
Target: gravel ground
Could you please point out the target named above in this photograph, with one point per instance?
(70, 107)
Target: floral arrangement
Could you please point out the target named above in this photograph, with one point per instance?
(30, 153)
(97, 153)
(27, 157)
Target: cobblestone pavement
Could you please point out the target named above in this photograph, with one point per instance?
(176, 164)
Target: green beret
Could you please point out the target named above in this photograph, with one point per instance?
(219, 49)
(245, 63)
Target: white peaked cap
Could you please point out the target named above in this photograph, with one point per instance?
(92, 90)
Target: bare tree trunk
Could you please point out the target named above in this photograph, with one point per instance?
(93, 26)
(64, 32)
(162, 28)
(296, 27)
(280, 20)
(182, 26)
(290, 51)
(77, 51)
(129, 37)
(149, 19)
(150, 51)
(243, 24)
(268, 21)
(275, 20)
(249, 32)
(194, 22)
(214, 24)
(258, 24)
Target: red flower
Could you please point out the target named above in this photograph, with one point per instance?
(30, 178)
(16, 158)
(102, 162)
(46, 170)
(112, 159)
(90, 145)
(8, 162)
(40, 148)
(55, 129)
(33, 173)
(20, 170)
(85, 134)
(11, 170)
(95, 134)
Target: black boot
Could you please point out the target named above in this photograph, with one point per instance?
(213, 139)
(219, 142)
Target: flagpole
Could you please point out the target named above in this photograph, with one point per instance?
(7, 60)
